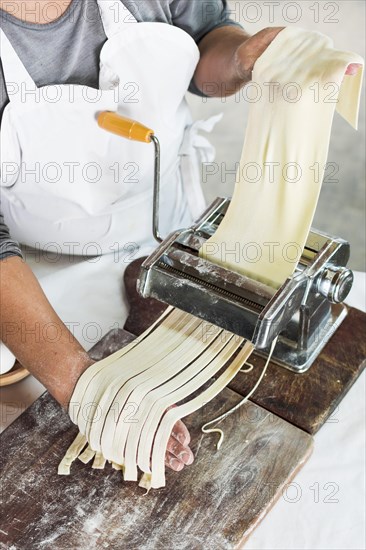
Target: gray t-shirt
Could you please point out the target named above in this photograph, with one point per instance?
(66, 51)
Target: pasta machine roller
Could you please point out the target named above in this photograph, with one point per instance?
(303, 313)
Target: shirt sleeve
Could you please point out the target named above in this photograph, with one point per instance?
(198, 18)
(8, 247)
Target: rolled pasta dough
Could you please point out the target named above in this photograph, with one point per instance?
(299, 81)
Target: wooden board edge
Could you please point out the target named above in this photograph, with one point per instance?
(16, 374)
(277, 496)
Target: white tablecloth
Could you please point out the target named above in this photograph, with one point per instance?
(324, 507)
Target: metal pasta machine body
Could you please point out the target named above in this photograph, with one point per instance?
(303, 313)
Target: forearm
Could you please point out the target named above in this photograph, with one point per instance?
(32, 330)
(228, 55)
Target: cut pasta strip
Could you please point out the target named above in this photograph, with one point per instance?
(80, 388)
(71, 454)
(87, 455)
(196, 365)
(207, 430)
(145, 482)
(122, 381)
(133, 392)
(99, 461)
(172, 331)
(176, 413)
(200, 372)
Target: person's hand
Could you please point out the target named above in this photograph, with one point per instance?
(178, 453)
(248, 52)
(353, 69)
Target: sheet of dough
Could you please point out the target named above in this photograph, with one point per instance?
(297, 81)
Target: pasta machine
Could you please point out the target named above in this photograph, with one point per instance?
(303, 313)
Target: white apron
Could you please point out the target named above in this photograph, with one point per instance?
(69, 187)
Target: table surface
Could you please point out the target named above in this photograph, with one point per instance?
(324, 507)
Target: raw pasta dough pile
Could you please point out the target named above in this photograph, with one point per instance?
(298, 82)
(122, 403)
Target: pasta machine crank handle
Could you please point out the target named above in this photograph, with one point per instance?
(131, 129)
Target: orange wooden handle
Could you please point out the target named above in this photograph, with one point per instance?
(125, 127)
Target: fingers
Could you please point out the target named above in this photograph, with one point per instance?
(254, 47)
(173, 463)
(178, 454)
(179, 451)
(180, 457)
(353, 69)
(181, 433)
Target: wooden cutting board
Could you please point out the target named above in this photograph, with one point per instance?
(213, 504)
